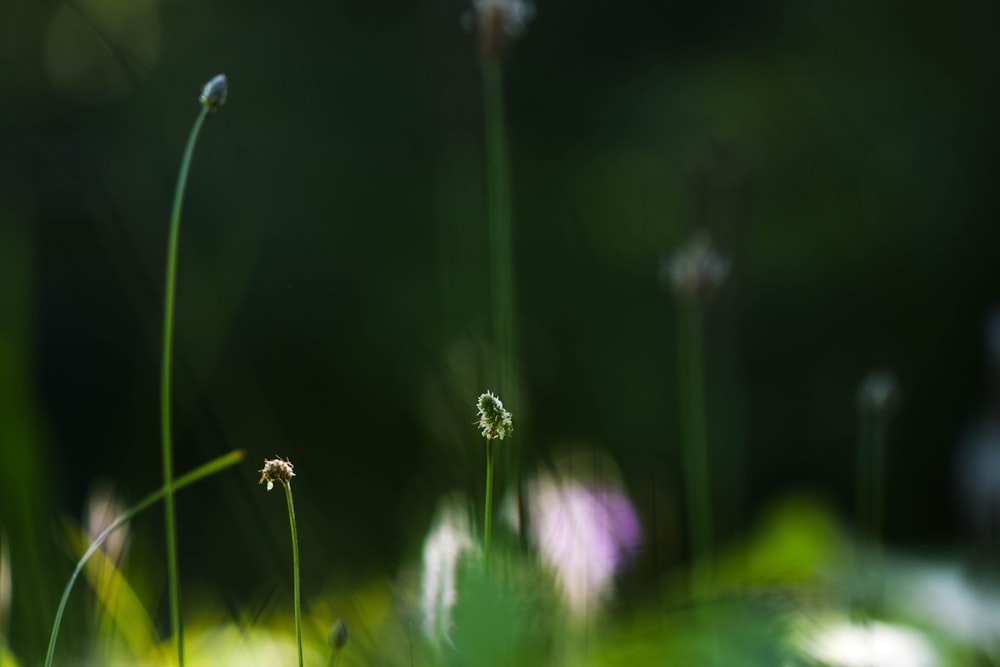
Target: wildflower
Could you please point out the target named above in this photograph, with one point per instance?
(874, 644)
(449, 540)
(497, 22)
(494, 421)
(585, 534)
(276, 470)
(696, 270)
(215, 92)
(878, 393)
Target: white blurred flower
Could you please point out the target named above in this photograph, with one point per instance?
(449, 540)
(496, 22)
(103, 507)
(842, 643)
(584, 534)
(695, 270)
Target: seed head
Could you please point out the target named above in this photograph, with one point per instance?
(494, 422)
(696, 270)
(215, 92)
(878, 394)
(276, 470)
(497, 22)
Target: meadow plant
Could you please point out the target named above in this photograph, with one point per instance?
(495, 423)
(694, 273)
(878, 399)
(213, 96)
(496, 23)
(201, 472)
(279, 470)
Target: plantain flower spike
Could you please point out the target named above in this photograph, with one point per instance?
(215, 92)
(497, 22)
(276, 470)
(494, 421)
(695, 270)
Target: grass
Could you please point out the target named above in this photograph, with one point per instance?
(204, 471)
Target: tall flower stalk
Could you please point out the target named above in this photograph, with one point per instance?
(497, 23)
(278, 470)
(694, 273)
(495, 423)
(213, 96)
(878, 398)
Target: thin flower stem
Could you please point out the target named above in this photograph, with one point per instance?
(498, 198)
(165, 388)
(488, 518)
(199, 473)
(295, 569)
(692, 389)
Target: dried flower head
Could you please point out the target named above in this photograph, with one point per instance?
(494, 422)
(215, 92)
(878, 393)
(497, 22)
(276, 470)
(696, 270)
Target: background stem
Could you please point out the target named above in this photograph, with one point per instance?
(695, 444)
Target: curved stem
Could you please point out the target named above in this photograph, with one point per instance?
(195, 475)
(295, 569)
(168, 337)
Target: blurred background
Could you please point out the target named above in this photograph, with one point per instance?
(333, 297)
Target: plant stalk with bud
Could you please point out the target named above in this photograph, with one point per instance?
(497, 23)
(495, 423)
(693, 273)
(280, 470)
(213, 96)
(878, 398)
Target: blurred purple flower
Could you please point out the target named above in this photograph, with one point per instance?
(585, 534)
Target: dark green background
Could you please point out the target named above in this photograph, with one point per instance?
(333, 303)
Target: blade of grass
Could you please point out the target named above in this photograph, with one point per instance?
(212, 467)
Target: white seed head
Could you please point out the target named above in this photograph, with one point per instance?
(695, 270)
(494, 421)
(497, 22)
(215, 92)
(878, 393)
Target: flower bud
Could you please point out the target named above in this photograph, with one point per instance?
(215, 92)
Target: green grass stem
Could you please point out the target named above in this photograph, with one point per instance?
(295, 569)
(201, 472)
(488, 517)
(691, 366)
(165, 387)
(500, 235)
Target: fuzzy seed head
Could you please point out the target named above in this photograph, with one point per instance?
(276, 470)
(695, 271)
(215, 92)
(878, 394)
(497, 22)
(494, 421)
